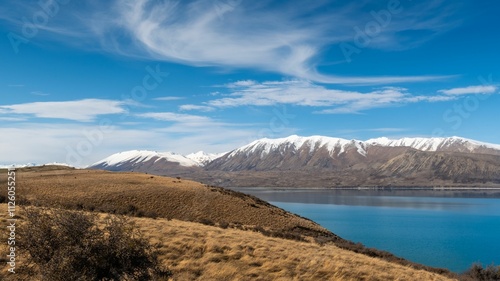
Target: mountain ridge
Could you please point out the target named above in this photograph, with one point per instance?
(201, 158)
(424, 144)
(327, 161)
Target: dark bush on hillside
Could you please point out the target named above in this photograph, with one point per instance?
(71, 245)
(477, 272)
(206, 221)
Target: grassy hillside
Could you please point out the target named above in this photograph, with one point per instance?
(152, 196)
(240, 219)
(193, 251)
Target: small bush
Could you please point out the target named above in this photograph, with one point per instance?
(477, 272)
(69, 245)
(151, 214)
(206, 221)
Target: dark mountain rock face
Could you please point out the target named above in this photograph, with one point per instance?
(456, 167)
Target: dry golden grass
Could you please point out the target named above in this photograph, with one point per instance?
(198, 252)
(146, 195)
(191, 248)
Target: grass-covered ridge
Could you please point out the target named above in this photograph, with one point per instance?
(193, 251)
(179, 203)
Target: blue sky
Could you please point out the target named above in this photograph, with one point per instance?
(83, 79)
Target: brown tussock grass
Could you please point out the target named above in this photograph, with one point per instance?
(194, 251)
(191, 249)
(146, 195)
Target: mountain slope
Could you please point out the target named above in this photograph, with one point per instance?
(315, 152)
(451, 144)
(142, 156)
(456, 167)
(147, 161)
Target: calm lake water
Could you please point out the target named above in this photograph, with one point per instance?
(447, 229)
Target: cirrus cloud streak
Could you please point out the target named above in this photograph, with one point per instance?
(306, 93)
(84, 110)
(275, 37)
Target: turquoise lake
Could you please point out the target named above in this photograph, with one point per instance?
(446, 229)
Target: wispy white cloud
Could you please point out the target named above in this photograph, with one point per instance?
(176, 117)
(79, 110)
(78, 144)
(241, 83)
(215, 138)
(82, 144)
(267, 39)
(376, 130)
(12, 119)
(417, 23)
(386, 130)
(169, 98)
(39, 93)
(202, 108)
(306, 93)
(481, 89)
(282, 38)
(185, 133)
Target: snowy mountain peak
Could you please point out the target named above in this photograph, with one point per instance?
(425, 144)
(139, 156)
(265, 145)
(203, 158)
(435, 144)
(339, 146)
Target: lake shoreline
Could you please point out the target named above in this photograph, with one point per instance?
(441, 228)
(470, 192)
(370, 188)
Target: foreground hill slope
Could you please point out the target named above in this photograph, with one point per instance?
(143, 195)
(153, 196)
(193, 251)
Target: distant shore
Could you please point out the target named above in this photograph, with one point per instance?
(464, 192)
(395, 188)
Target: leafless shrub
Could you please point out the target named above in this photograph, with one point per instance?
(477, 272)
(72, 245)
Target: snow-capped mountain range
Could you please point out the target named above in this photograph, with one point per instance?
(338, 146)
(291, 148)
(318, 152)
(326, 162)
(319, 161)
